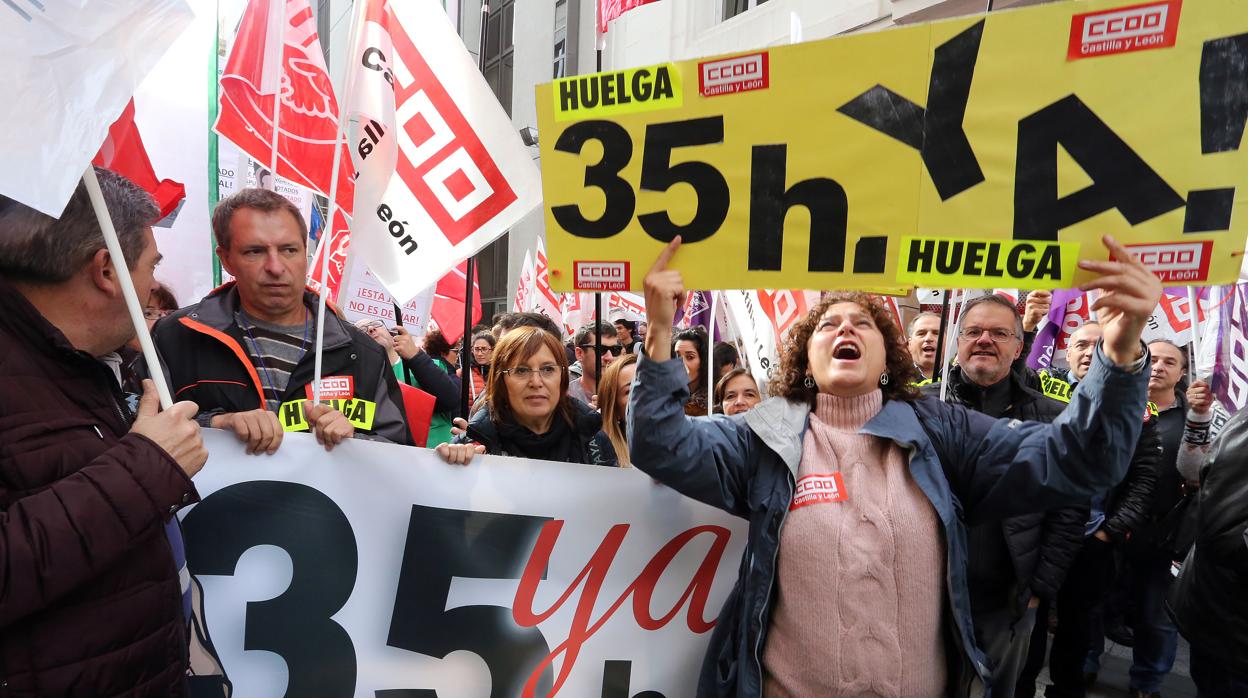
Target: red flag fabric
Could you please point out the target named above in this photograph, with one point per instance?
(418, 405)
(611, 9)
(337, 244)
(123, 153)
(308, 120)
(448, 302)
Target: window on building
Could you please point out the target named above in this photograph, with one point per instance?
(732, 8)
(561, 39)
(499, 51)
(499, 67)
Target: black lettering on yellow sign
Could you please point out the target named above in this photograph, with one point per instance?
(947, 260)
(611, 89)
(1055, 388)
(291, 415)
(359, 412)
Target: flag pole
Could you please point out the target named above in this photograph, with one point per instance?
(711, 368)
(470, 271)
(214, 165)
(133, 306)
(1193, 304)
(944, 371)
(277, 17)
(598, 297)
(327, 232)
(942, 333)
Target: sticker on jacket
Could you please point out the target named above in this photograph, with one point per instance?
(359, 412)
(334, 388)
(818, 489)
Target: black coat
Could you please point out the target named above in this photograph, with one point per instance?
(90, 601)
(1043, 545)
(1209, 601)
(1129, 506)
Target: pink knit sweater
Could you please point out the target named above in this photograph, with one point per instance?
(860, 581)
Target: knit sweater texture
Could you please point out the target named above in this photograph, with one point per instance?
(860, 580)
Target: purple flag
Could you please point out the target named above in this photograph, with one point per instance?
(696, 310)
(1045, 345)
(1230, 370)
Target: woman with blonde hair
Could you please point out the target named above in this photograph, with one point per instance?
(613, 391)
(530, 413)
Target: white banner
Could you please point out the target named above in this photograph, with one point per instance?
(362, 296)
(380, 568)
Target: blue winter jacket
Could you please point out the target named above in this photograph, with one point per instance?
(971, 467)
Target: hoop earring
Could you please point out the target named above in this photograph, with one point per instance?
(884, 379)
(809, 382)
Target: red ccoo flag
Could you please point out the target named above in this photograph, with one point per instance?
(308, 120)
(448, 303)
(123, 153)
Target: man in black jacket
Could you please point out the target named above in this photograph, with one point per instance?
(245, 353)
(1114, 517)
(1208, 600)
(1017, 563)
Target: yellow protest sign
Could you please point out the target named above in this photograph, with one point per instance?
(1016, 139)
(359, 412)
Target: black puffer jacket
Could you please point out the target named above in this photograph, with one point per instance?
(1128, 508)
(90, 600)
(1042, 546)
(1128, 505)
(1208, 601)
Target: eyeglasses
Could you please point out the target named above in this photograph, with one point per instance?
(613, 350)
(996, 334)
(481, 350)
(155, 313)
(521, 374)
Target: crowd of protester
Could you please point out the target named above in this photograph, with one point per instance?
(913, 531)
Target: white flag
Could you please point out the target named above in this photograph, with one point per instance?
(442, 171)
(545, 300)
(70, 68)
(525, 289)
(758, 338)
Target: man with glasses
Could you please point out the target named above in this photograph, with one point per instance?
(1018, 562)
(586, 387)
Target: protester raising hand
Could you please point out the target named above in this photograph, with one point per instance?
(1036, 308)
(848, 450)
(1129, 293)
(664, 289)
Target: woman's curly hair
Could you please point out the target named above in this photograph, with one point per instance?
(790, 383)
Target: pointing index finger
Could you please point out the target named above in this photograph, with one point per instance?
(1118, 253)
(665, 256)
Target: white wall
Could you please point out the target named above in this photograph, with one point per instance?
(533, 35)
